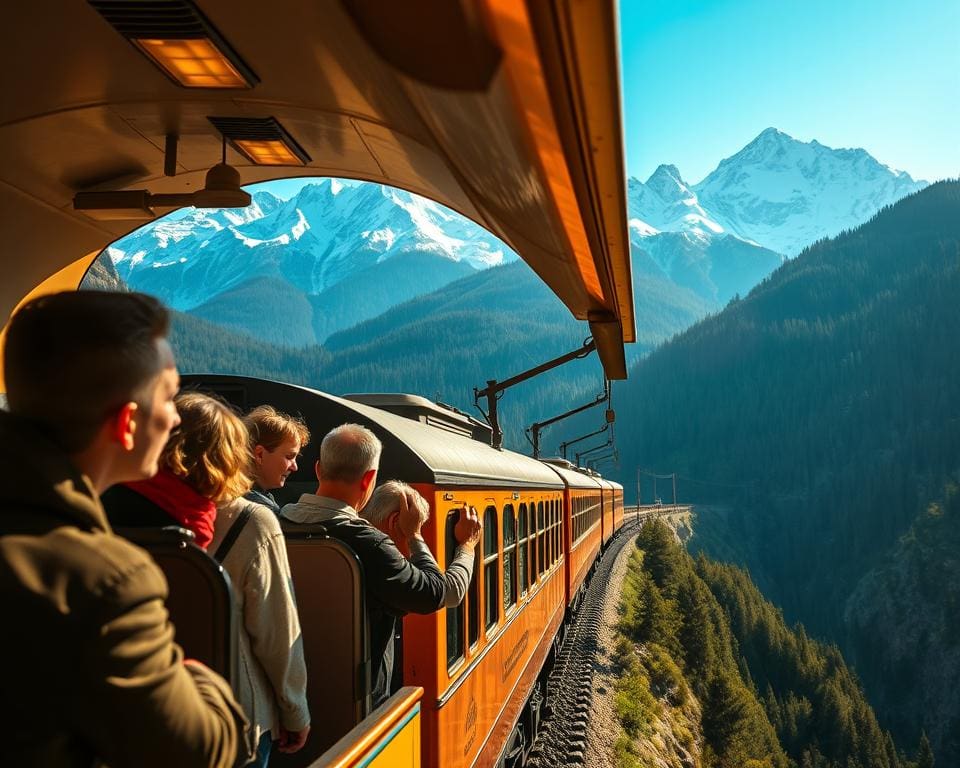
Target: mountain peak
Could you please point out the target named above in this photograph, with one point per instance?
(668, 184)
(771, 138)
(785, 194)
(665, 169)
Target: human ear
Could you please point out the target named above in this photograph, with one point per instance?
(125, 426)
(367, 479)
(316, 470)
(258, 451)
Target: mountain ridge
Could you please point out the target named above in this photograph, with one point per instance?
(818, 414)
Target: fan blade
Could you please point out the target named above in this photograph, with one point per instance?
(114, 206)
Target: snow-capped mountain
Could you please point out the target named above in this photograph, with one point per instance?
(326, 233)
(341, 252)
(667, 204)
(777, 195)
(785, 194)
(670, 226)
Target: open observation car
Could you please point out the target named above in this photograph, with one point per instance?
(506, 111)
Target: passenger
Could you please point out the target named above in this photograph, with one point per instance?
(347, 471)
(276, 441)
(207, 461)
(91, 671)
(384, 510)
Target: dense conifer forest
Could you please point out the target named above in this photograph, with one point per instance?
(703, 651)
(493, 324)
(815, 421)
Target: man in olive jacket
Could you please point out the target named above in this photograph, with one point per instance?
(90, 668)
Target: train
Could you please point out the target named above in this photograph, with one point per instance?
(480, 667)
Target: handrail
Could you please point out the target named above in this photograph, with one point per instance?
(365, 735)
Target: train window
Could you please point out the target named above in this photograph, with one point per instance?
(473, 600)
(509, 558)
(551, 533)
(580, 517)
(455, 615)
(491, 575)
(541, 541)
(522, 549)
(532, 543)
(557, 522)
(559, 533)
(551, 544)
(560, 529)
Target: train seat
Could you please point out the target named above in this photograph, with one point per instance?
(328, 583)
(200, 602)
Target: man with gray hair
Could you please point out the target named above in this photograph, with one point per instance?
(347, 472)
(384, 511)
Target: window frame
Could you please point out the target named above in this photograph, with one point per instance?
(458, 611)
(491, 567)
(522, 552)
(510, 549)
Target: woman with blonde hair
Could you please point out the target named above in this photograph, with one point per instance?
(276, 440)
(205, 469)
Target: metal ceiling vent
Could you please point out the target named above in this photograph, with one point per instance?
(180, 40)
(262, 140)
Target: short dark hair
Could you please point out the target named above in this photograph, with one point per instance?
(71, 359)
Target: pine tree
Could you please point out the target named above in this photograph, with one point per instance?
(924, 753)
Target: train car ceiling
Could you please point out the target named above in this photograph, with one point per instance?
(506, 111)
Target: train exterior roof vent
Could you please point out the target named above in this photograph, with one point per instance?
(439, 415)
(558, 462)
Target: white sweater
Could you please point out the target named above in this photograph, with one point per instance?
(272, 685)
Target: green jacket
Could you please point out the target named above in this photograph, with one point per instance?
(90, 668)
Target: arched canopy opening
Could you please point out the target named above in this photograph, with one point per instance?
(522, 136)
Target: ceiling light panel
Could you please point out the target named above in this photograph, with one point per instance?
(180, 40)
(262, 140)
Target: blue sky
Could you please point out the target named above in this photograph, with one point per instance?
(701, 79)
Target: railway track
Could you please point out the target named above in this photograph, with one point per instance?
(562, 738)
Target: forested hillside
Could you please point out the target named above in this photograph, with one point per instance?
(492, 324)
(275, 311)
(705, 654)
(819, 417)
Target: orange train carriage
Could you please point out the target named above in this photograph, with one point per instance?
(582, 530)
(482, 666)
(612, 495)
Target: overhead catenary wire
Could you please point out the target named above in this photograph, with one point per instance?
(695, 481)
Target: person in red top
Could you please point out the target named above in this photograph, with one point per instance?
(206, 468)
(205, 462)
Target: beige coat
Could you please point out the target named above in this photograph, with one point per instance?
(272, 682)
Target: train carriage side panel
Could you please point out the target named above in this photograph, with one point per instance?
(494, 645)
(581, 526)
(606, 525)
(617, 507)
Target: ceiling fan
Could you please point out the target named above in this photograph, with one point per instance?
(221, 189)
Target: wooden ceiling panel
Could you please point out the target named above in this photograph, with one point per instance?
(535, 155)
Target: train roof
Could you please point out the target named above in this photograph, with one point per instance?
(507, 111)
(414, 451)
(570, 476)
